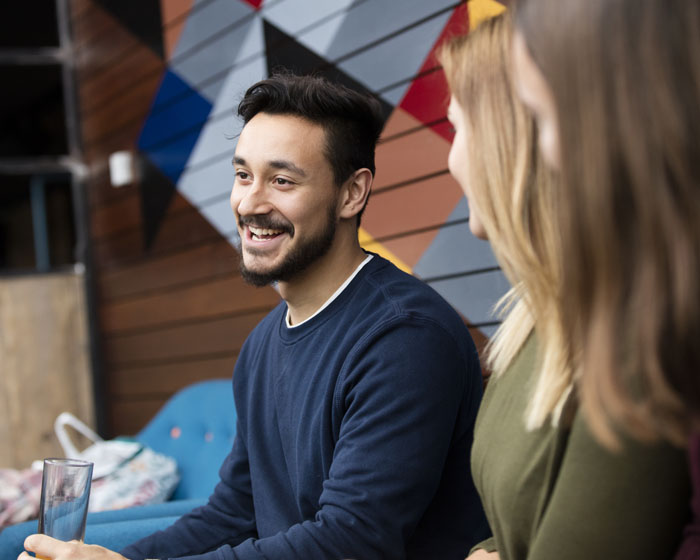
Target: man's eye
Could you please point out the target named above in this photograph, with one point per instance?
(281, 181)
(242, 175)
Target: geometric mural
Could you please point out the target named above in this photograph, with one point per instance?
(143, 19)
(223, 46)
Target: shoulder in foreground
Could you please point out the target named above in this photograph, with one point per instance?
(409, 295)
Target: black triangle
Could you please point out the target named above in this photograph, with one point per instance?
(284, 52)
(157, 192)
(143, 19)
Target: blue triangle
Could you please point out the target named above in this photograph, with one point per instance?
(173, 126)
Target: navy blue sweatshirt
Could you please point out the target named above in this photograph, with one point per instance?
(353, 437)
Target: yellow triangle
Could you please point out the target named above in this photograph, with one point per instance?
(367, 242)
(480, 10)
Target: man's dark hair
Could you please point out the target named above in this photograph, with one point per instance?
(352, 121)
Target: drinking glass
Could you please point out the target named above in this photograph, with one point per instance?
(65, 491)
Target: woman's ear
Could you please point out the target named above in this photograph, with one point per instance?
(355, 193)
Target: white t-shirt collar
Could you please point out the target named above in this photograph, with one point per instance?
(334, 296)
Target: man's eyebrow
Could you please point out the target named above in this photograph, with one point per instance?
(288, 165)
(275, 164)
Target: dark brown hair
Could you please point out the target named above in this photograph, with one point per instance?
(352, 121)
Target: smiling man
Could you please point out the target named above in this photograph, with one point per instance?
(357, 395)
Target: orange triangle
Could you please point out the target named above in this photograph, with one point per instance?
(174, 14)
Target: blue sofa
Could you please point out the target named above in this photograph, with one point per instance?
(196, 427)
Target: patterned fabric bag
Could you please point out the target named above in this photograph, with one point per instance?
(126, 472)
(20, 491)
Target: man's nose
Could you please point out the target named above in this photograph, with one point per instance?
(253, 200)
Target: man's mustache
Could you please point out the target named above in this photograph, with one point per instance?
(265, 221)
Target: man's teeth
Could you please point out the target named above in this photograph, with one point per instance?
(261, 232)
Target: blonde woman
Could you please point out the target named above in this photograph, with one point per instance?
(550, 490)
(615, 87)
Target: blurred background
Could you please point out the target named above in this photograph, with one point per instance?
(119, 283)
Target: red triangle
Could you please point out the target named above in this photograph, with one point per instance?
(428, 95)
(257, 4)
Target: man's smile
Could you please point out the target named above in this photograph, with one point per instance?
(261, 241)
(263, 234)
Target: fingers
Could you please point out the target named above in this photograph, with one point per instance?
(47, 547)
(41, 545)
(53, 549)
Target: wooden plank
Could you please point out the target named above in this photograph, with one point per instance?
(136, 382)
(128, 417)
(88, 21)
(45, 363)
(101, 191)
(210, 260)
(209, 299)
(126, 111)
(117, 78)
(423, 204)
(140, 69)
(97, 30)
(215, 336)
(96, 154)
(125, 213)
(112, 251)
(186, 229)
(407, 157)
(78, 10)
(103, 56)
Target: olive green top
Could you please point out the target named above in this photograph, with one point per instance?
(556, 494)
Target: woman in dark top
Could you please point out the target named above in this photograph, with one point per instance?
(615, 88)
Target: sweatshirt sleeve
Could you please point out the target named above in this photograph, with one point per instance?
(227, 518)
(626, 505)
(398, 402)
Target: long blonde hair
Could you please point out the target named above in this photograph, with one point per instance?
(625, 77)
(512, 191)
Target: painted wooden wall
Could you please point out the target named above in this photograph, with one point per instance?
(162, 79)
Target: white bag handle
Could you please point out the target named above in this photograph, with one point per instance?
(67, 419)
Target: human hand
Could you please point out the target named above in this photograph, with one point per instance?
(481, 554)
(53, 549)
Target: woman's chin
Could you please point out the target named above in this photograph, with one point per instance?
(477, 229)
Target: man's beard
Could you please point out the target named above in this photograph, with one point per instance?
(298, 259)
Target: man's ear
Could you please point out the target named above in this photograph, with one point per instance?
(355, 193)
